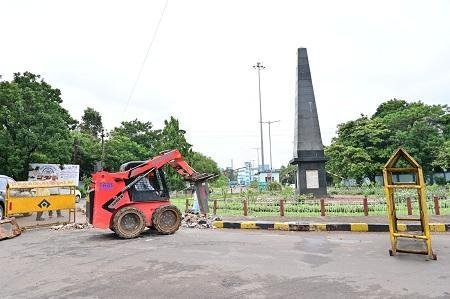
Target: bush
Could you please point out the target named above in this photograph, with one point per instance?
(440, 181)
(254, 185)
(219, 182)
(274, 186)
(249, 194)
(86, 185)
(303, 197)
(287, 192)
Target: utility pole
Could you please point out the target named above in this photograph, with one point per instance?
(259, 66)
(257, 157)
(76, 151)
(270, 140)
(103, 148)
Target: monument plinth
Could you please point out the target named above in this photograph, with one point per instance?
(308, 148)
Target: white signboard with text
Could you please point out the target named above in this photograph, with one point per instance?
(45, 172)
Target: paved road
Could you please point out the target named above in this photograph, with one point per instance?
(217, 264)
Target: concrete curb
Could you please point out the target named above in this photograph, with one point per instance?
(306, 227)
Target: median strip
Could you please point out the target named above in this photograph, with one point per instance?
(300, 226)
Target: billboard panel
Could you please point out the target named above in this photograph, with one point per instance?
(66, 172)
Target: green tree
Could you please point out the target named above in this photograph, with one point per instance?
(91, 122)
(120, 149)
(172, 137)
(419, 128)
(34, 127)
(142, 133)
(287, 174)
(443, 157)
(220, 182)
(362, 146)
(152, 142)
(230, 173)
(349, 162)
(86, 152)
(137, 140)
(203, 164)
(389, 107)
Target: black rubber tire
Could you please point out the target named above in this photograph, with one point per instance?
(135, 219)
(166, 219)
(2, 212)
(391, 253)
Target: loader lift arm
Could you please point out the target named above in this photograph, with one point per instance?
(175, 160)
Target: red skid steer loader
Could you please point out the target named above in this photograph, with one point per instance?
(137, 197)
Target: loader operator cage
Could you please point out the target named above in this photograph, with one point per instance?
(149, 188)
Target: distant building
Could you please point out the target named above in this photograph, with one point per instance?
(245, 174)
(262, 174)
(267, 176)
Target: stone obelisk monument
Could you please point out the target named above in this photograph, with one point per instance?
(308, 148)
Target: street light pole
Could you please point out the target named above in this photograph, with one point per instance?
(270, 140)
(259, 66)
(257, 157)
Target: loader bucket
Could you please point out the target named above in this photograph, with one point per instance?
(9, 228)
(202, 190)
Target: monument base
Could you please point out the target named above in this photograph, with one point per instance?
(311, 177)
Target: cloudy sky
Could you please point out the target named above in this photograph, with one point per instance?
(199, 68)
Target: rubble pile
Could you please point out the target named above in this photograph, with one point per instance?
(198, 221)
(72, 226)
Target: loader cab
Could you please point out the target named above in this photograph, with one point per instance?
(153, 187)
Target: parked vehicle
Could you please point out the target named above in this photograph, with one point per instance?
(4, 180)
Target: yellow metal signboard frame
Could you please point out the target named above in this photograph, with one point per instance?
(40, 184)
(395, 228)
(36, 196)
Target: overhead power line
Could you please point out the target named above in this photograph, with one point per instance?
(141, 68)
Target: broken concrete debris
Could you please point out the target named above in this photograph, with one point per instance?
(198, 221)
(71, 226)
(9, 228)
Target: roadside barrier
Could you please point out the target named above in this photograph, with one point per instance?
(57, 198)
